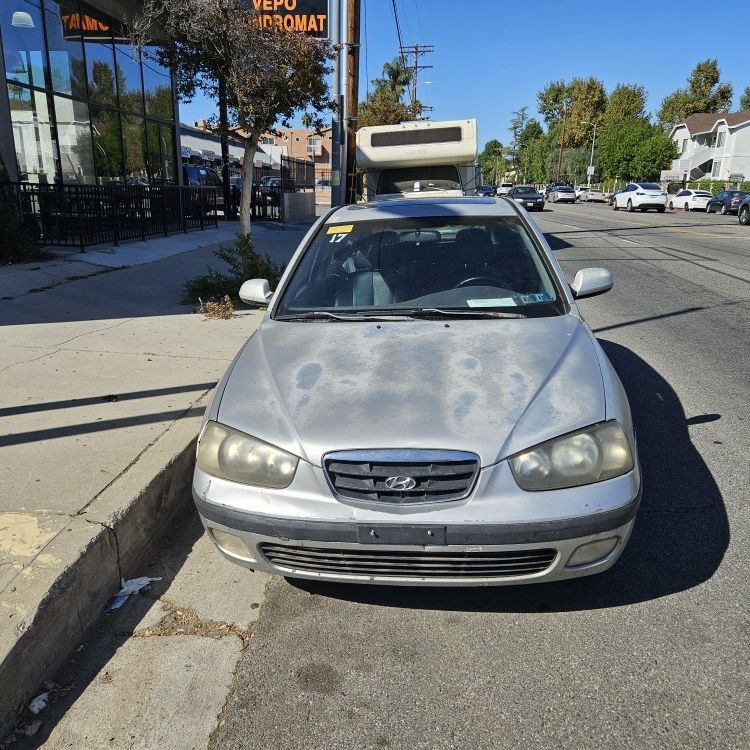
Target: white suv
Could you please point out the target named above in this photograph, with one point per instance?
(504, 188)
(642, 195)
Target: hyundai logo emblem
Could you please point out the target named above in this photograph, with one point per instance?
(400, 483)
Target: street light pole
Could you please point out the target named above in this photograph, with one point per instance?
(593, 141)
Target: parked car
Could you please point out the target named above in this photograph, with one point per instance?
(336, 463)
(198, 176)
(589, 194)
(504, 188)
(552, 185)
(527, 196)
(726, 202)
(562, 194)
(322, 184)
(488, 191)
(743, 211)
(691, 200)
(272, 187)
(642, 196)
(611, 200)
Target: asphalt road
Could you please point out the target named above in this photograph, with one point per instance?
(652, 654)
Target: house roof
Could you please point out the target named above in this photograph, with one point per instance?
(705, 122)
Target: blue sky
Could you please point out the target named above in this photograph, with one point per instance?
(492, 56)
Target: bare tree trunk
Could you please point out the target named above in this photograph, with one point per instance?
(251, 144)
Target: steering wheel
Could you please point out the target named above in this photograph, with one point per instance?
(473, 280)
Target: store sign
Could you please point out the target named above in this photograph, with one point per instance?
(671, 175)
(187, 152)
(737, 177)
(307, 16)
(208, 155)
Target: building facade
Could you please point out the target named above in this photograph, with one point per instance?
(714, 145)
(300, 143)
(80, 105)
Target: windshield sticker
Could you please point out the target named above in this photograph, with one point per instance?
(340, 229)
(497, 302)
(532, 299)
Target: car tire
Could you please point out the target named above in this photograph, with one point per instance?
(708, 209)
(671, 206)
(615, 207)
(744, 215)
(687, 207)
(723, 210)
(630, 206)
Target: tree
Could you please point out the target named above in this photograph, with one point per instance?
(635, 149)
(552, 100)
(384, 104)
(531, 131)
(704, 93)
(653, 154)
(626, 102)
(582, 99)
(493, 162)
(745, 98)
(270, 74)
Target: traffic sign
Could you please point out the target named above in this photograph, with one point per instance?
(590, 171)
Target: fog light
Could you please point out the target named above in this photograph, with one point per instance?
(232, 544)
(592, 551)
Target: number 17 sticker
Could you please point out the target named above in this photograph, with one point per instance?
(339, 232)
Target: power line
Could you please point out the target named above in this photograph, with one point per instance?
(417, 50)
(398, 28)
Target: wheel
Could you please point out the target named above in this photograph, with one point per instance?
(630, 206)
(708, 209)
(744, 215)
(723, 210)
(687, 207)
(671, 206)
(615, 207)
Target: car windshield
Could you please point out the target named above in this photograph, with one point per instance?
(418, 180)
(468, 265)
(649, 186)
(560, 189)
(524, 191)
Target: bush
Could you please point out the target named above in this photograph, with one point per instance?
(243, 263)
(18, 238)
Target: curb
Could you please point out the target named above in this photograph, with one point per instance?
(59, 603)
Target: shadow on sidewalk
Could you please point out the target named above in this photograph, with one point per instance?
(679, 540)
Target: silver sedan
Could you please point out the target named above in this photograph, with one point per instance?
(422, 405)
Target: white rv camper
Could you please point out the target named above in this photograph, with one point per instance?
(420, 159)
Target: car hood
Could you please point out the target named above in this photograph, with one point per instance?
(492, 387)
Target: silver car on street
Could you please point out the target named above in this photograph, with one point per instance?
(422, 404)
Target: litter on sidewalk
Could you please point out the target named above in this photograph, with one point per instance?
(127, 589)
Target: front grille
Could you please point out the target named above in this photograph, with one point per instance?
(398, 564)
(437, 476)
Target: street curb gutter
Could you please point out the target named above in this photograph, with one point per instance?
(58, 603)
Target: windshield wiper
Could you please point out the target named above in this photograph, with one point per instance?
(431, 312)
(326, 315)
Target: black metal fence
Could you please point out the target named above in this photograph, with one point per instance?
(85, 215)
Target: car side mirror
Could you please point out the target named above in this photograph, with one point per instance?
(256, 291)
(589, 282)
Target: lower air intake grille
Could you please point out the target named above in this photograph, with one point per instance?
(398, 564)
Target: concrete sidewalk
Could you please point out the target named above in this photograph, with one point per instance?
(103, 381)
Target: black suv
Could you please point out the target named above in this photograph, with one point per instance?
(726, 202)
(197, 176)
(743, 211)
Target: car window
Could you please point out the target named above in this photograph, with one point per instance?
(650, 186)
(457, 263)
(418, 179)
(524, 191)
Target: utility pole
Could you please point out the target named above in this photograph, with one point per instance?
(337, 131)
(352, 96)
(562, 138)
(593, 141)
(417, 50)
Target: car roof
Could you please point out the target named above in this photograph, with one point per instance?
(417, 207)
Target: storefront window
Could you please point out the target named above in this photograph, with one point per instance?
(157, 87)
(33, 134)
(23, 42)
(107, 136)
(67, 69)
(129, 78)
(134, 139)
(74, 138)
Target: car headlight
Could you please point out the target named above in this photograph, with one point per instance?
(590, 455)
(230, 454)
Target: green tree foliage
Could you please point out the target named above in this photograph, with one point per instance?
(534, 159)
(493, 162)
(552, 100)
(745, 98)
(530, 131)
(653, 154)
(704, 93)
(384, 105)
(635, 149)
(626, 102)
(582, 99)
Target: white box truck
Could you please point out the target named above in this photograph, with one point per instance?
(422, 159)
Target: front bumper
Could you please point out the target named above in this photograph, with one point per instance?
(429, 551)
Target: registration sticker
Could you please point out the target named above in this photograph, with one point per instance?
(340, 229)
(496, 302)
